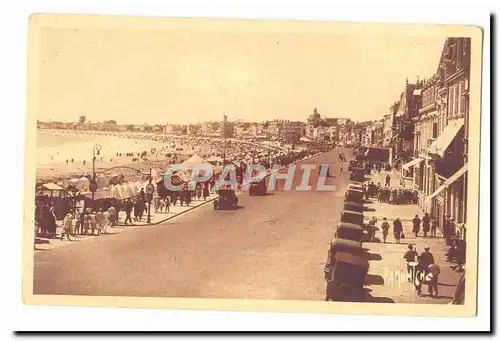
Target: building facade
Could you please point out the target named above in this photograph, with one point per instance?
(441, 132)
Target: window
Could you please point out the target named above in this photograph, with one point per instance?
(434, 130)
(461, 99)
(450, 101)
(457, 98)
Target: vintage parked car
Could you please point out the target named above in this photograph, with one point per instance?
(352, 164)
(349, 231)
(357, 174)
(340, 245)
(356, 187)
(355, 195)
(347, 278)
(354, 206)
(257, 188)
(227, 200)
(352, 217)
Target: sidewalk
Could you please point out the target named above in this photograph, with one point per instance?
(160, 217)
(387, 278)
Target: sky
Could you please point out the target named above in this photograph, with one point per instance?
(189, 76)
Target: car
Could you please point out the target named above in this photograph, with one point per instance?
(340, 245)
(353, 206)
(357, 174)
(354, 195)
(347, 278)
(349, 231)
(352, 217)
(257, 188)
(226, 200)
(352, 164)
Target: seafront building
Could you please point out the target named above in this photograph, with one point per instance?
(428, 129)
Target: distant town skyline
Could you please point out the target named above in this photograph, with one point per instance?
(193, 76)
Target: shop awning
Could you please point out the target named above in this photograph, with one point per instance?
(442, 142)
(52, 187)
(449, 181)
(412, 163)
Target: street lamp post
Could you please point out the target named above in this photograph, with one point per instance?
(149, 192)
(93, 186)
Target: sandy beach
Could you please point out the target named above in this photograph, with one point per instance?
(54, 147)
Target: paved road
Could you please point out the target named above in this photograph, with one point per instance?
(273, 247)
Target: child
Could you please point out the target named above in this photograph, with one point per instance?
(385, 229)
(167, 204)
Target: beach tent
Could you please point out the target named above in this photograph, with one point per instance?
(52, 187)
(127, 190)
(194, 160)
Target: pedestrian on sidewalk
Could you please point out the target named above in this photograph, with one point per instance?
(128, 211)
(78, 223)
(432, 276)
(416, 225)
(161, 205)
(205, 191)
(372, 228)
(167, 204)
(425, 259)
(100, 221)
(67, 226)
(426, 223)
(410, 257)
(198, 192)
(388, 180)
(398, 230)
(385, 229)
(105, 222)
(341, 166)
(433, 227)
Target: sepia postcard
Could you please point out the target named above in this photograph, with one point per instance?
(257, 165)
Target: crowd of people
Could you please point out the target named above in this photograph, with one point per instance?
(396, 196)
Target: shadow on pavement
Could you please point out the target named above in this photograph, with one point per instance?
(373, 280)
(41, 241)
(371, 299)
(373, 256)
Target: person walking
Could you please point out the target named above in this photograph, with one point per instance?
(67, 226)
(426, 224)
(128, 212)
(410, 257)
(78, 223)
(388, 180)
(167, 205)
(94, 223)
(205, 191)
(432, 276)
(99, 217)
(372, 228)
(198, 192)
(433, 227)
(105, 221)
(426, 258)
(416, 225)
(398, 230)
(385, 229)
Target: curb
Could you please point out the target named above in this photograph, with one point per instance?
(173, 216)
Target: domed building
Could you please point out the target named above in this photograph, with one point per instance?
(313, 122)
